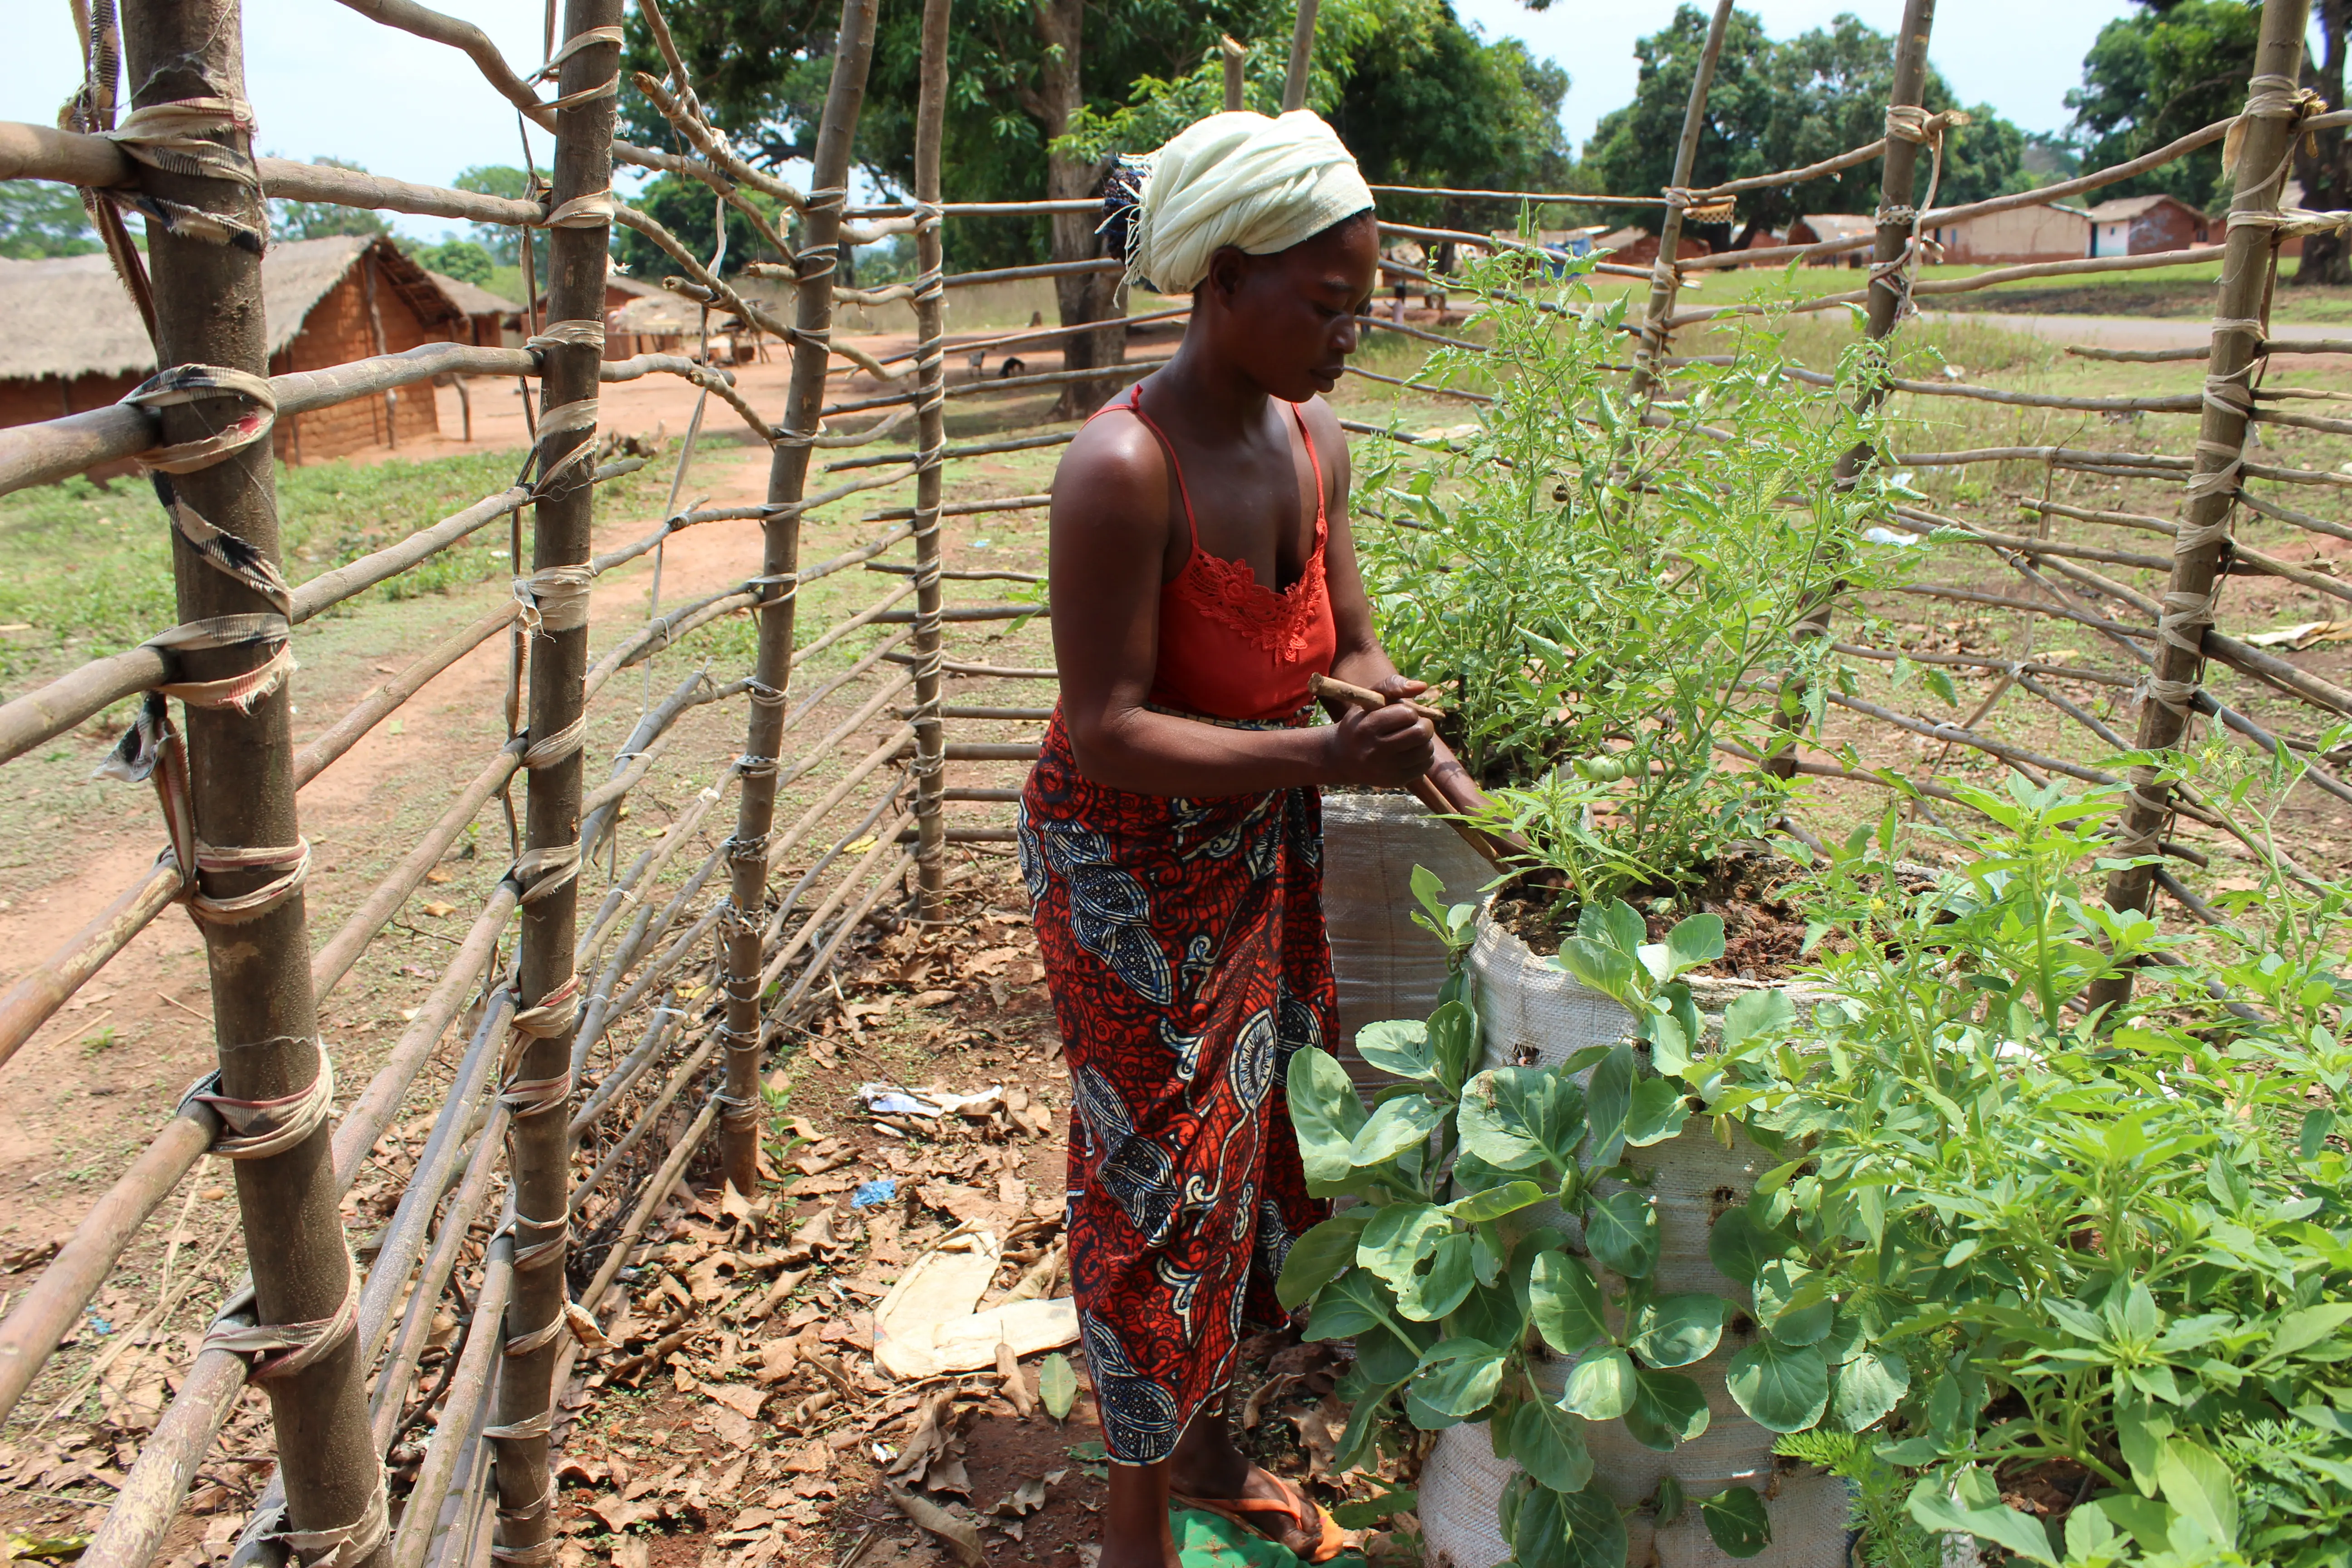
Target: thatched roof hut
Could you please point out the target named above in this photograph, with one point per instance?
(70, 339)
(493, 316)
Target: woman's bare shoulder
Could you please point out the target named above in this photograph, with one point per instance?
(1114, 471)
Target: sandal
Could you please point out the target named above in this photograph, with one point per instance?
(1315, 1538)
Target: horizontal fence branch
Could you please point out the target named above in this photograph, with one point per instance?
(2171, 152)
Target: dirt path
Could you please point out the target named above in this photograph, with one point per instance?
(2125, 331)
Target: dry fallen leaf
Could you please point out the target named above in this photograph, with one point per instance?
(744, 1402)
(815, 1459)
(619, 1513)
(1022, 1501)
(436, 910)
(961, 1538)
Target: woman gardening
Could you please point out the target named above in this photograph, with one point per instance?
(1170, 835)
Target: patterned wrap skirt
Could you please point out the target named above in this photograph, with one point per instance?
(1184, 947)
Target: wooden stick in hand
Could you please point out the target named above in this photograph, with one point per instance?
(1425, 789)
(1354, 696)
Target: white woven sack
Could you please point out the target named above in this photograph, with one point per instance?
(1387, 966)
(1534, 1013)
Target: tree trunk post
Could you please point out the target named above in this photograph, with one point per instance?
(1079, 297)
(1664, 281)
(1302, 58)
(930, 440)
(186, 60)
(536, 1078)
(1890, 285)
(1236, 56)
(747, 850)
(2198, 549)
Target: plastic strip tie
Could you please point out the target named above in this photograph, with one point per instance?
(565, 742)
(536, 873)
(751, 767)
(174, 137)
(239, 692)
(525, 1556)
(586, 38)
(594, 210)
(538, 1426)
(740, 848)
(344, 1545)
(567, 334)
(546, 1240)
(555, 598)
(281, 1350)
(258, 1128)
(239, 908)
(552, 1015)
(193, 383)
(763, 695)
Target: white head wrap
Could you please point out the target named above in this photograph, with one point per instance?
(1242, 180)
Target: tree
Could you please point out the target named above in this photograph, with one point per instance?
(460, 258)
(688, 210)
(2157, 74)
(1781, 105)
(38, 219)
(2323, 162)
(318, 220)
(504, 244)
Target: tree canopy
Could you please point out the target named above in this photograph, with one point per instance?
(39, 219)
(1780, 106)
(2155, 76)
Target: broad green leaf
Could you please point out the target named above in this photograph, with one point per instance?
(1429, 889)
(1325, 1113)
(1495, 1202)
(1495, 1313)
(1398, 1238)
(1317, 1257)
(1567, 1303)
(1667, 1502)
(1057, 1386)
(1784, 1387)
(1594, 1531)
(1385, 1359)
(1755, 1012)
(1399, 1046)
(1398, 1125)
(1622, 1231)
(1601, 1384)
(1676, 1331)
(1549, 1443)
(2195, 1481)
(1497, 1119)
(1429, 1295)
(1740, 1247)
(1735, 1520)
(1657, 1112)
(1453, 1042)
(1615, 924)
(1669, 1043)
(1695, 940)
(1349, 1305)
(2297, 1330)
(1668, 1408)
(1869, 1385)
(1933, 1508)
(1459, 1377)
(1794, 1302)
(1607, 1098)
(1601, 969)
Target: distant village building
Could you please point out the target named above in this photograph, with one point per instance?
(70, 339)
(1639, 247)
(1819, 228)
(495, 322)
(2140, 226)
(2049, 231)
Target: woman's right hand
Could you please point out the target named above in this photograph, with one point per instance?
(1385, 747)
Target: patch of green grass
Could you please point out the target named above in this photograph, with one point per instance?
(91, 563)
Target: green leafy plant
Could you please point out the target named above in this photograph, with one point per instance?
(1448, 1262)
(1612, 585)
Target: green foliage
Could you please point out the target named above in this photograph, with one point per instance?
(320, 220)
(1781, 105)
(2115, 1244)
(1611, 588)
(460, 258)
(2153, 76)
(38, 218)
(1444, 1266)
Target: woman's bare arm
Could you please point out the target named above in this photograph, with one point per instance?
(1111, 518)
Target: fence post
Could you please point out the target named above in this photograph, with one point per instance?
(2266, 138)
(1649, 359)
(1890, 283)
(747, 850)
(931, 435)
(1235, 57)
(536, 1077)
(1302, 60)
(191, 132)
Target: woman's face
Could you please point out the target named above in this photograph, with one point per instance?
(1289, 319)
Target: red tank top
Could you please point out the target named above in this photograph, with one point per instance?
(1230, 646)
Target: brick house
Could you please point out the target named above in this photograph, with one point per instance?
(2139, 226)
(70, 339)
(2048, 231)
(1817, 228)
(1638, 247)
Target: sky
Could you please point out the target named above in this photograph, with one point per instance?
(326, 82)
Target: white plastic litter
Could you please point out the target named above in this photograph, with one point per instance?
(896, 1099)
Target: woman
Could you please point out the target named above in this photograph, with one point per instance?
(1201, 572)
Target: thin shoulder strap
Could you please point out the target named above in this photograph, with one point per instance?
(1298, 412)
(1134, 404)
